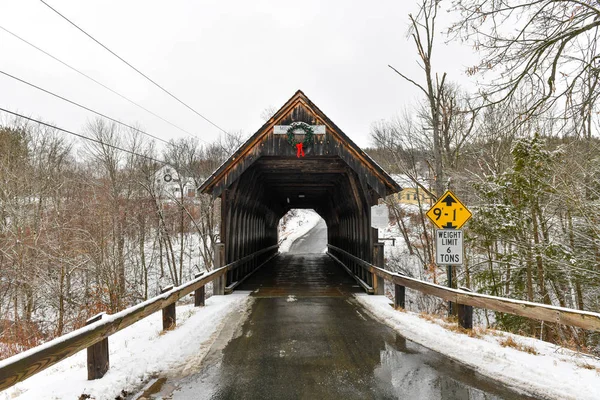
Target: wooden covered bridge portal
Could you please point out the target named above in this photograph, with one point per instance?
(297, 159)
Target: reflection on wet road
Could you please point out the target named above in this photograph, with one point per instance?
(306, 338)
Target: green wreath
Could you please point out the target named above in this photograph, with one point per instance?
(308, 133)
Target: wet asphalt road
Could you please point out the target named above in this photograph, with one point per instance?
(315, 241)
(306, 338)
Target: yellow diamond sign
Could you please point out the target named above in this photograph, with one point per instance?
(448, 212)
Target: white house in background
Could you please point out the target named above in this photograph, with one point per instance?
(168, 184)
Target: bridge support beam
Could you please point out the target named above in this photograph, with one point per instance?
(465, 316)
(400, 297)
(199, 294)
(379, 261)
(219, 283)
(169, 313)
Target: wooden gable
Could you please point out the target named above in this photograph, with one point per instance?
(328, 149)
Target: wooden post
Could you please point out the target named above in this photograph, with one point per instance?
(465, 313)
(199, 293)
(465, 316)
(97, 354)
(400, 296)
(219, 283)
(169, 317)
(378, 282)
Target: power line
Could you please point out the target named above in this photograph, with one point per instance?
(99, 83)
(134, 68)
(84, 137)
(84, 107)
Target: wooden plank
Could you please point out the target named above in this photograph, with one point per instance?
(567, 316)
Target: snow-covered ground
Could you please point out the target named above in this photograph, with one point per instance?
(137, 354)
(296, 225)
(553, 372)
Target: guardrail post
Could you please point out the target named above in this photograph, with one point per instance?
(465, 313)
(97, 354)
(378, 282)
(465, 316)
(219, 283)
(169, 317)
(199, 295)
(399, 297)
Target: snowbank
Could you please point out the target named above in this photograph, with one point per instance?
(295, 227)
(137, 353)
(553, 372)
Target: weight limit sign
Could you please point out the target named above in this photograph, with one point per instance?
(449, 247)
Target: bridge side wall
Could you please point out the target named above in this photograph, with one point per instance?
(248, 222)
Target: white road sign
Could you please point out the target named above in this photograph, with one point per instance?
(380, 216)
(449, 247)
(282, 129)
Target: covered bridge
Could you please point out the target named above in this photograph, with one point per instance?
(298, 159)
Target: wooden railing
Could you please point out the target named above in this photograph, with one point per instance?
(94, 336)
(465, 299)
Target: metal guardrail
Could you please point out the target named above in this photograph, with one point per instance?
(566, 316)
(23, 365)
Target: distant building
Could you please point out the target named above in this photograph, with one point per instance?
(411, 193)
(168, 184)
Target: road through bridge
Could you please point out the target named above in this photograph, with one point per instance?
(305, 337)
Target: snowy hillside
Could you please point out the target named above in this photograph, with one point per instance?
(295, 224)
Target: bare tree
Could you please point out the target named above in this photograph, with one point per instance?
(546, 47)
(422, 31)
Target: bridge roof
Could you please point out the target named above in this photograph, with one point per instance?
(330, 150)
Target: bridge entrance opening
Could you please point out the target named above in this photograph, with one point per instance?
(302, 231)
(298, 160)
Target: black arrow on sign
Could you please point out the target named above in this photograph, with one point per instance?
(449, 226)
(449, 200)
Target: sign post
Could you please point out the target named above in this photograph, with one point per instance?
(449, 215)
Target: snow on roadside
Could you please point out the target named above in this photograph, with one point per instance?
(295, 227)
(553, 372)
(137, 353)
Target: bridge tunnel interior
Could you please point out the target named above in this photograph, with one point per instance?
(253, 205)
(266, 177)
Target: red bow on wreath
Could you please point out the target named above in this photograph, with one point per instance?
(299, 150)
(308, 136)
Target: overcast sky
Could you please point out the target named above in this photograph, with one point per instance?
(229, 60)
